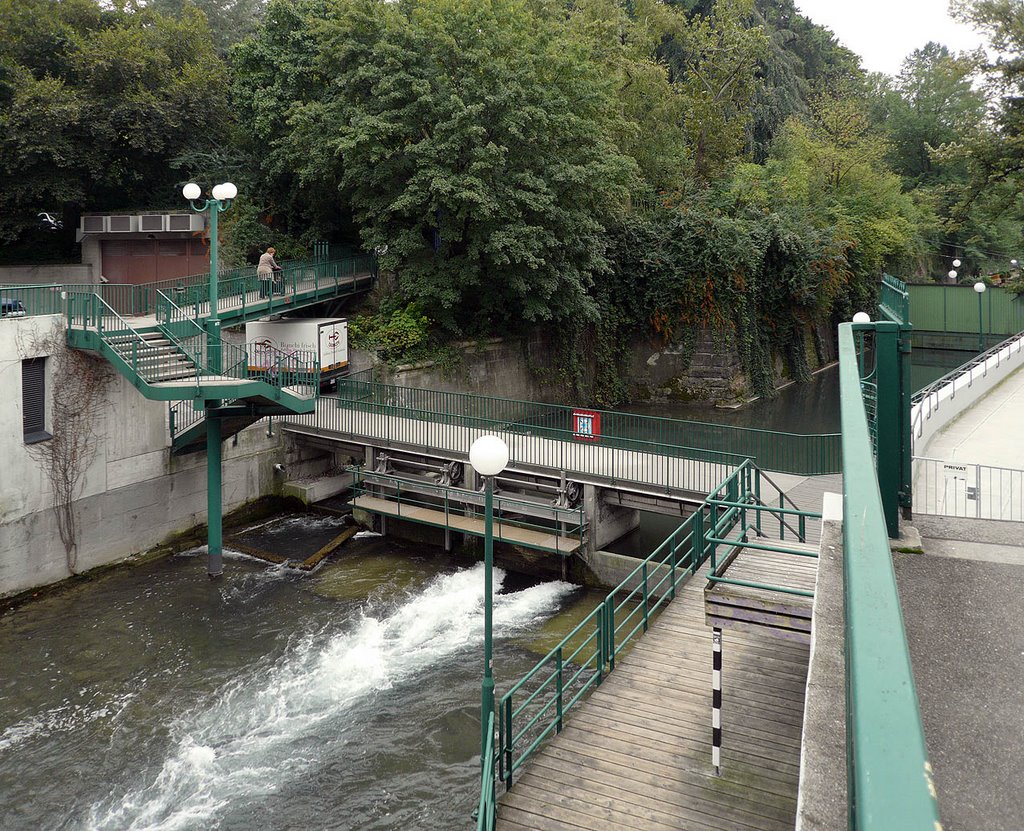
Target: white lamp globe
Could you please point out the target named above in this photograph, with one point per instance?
(956, 263)
(979, 287)
(952, 275)
(191, 191)
(862, 317)
(229, 190)
(218, 192)
(488, 455)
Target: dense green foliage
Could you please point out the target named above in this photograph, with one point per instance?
(96, 102)
(621, 170)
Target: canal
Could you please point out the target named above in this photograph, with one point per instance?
(152, 698)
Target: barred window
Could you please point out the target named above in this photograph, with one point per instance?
(33, 399)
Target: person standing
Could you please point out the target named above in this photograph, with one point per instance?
(265, 272)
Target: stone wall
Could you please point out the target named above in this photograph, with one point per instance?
(514, 368)
(133, 494)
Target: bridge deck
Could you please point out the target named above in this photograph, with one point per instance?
(637, 754)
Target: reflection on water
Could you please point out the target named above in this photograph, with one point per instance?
(811, 407)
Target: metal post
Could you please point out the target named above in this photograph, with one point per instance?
(214, 510)
(981, 326)
(212, 320)
(716, 699)
(889, 450)
(487, 686)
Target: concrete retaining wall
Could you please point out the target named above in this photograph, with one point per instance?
(32, 275)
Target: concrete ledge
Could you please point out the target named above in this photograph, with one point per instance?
(821, 804)
(316, 490)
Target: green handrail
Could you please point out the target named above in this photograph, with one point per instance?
(486, 812)
(890, 783)
(561, 679)
(667, 437)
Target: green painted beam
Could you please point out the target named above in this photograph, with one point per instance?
(890, 778)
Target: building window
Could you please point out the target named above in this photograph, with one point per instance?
(33, 399)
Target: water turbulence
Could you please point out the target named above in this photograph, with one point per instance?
(260, 730)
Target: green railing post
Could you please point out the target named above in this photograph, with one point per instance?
(672, 566)
(559, 686)
(609, 605)
(646, 594)
(889, 421)
(697, 542)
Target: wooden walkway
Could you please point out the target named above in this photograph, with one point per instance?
(637, 754)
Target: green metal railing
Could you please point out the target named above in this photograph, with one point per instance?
(181, 415)
(31, 301)
(726, 500)
(939, 308)
(894, 299)
(890, 784)
(712, 443)
(414, 418)
(238, 289)
(569, 522)
(537, 705)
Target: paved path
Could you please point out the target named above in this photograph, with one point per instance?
(974, 451)
(637, 754)
(979, 435)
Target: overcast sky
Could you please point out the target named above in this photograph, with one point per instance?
(884, 32)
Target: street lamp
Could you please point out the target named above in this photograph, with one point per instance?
(979, 287)
(488, 455)
(956, 263)
(222, 195)
(952, 276)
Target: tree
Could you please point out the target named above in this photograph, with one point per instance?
(231, 21)
(95, 102)
(714, 62)
(472, 139)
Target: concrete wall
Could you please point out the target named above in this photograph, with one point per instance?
(32, 275)
(133, 495)
(512, 368)
(940, 407)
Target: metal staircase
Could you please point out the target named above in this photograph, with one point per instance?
(177, 360)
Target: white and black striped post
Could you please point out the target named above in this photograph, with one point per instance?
(716, 700)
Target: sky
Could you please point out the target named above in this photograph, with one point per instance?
(884, 32)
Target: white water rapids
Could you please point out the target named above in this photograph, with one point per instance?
(256, 731)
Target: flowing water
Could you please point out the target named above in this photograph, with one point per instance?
(152, 698)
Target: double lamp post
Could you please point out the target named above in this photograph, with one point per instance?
(221, 200)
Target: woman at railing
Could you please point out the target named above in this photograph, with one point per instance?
(266, 271)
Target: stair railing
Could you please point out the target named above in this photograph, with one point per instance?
(91, 312)
(195, 342)
(298, 370)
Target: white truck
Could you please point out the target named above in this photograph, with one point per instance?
(323, 336)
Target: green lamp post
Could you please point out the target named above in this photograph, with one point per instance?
(222, 195)
(979, 287)
(488, 455)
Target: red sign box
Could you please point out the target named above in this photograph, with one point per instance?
(586, 425)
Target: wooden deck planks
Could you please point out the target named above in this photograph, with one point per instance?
(637, 754)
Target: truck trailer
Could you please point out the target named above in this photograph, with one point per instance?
(325, 337)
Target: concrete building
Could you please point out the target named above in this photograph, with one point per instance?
(130, 493)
